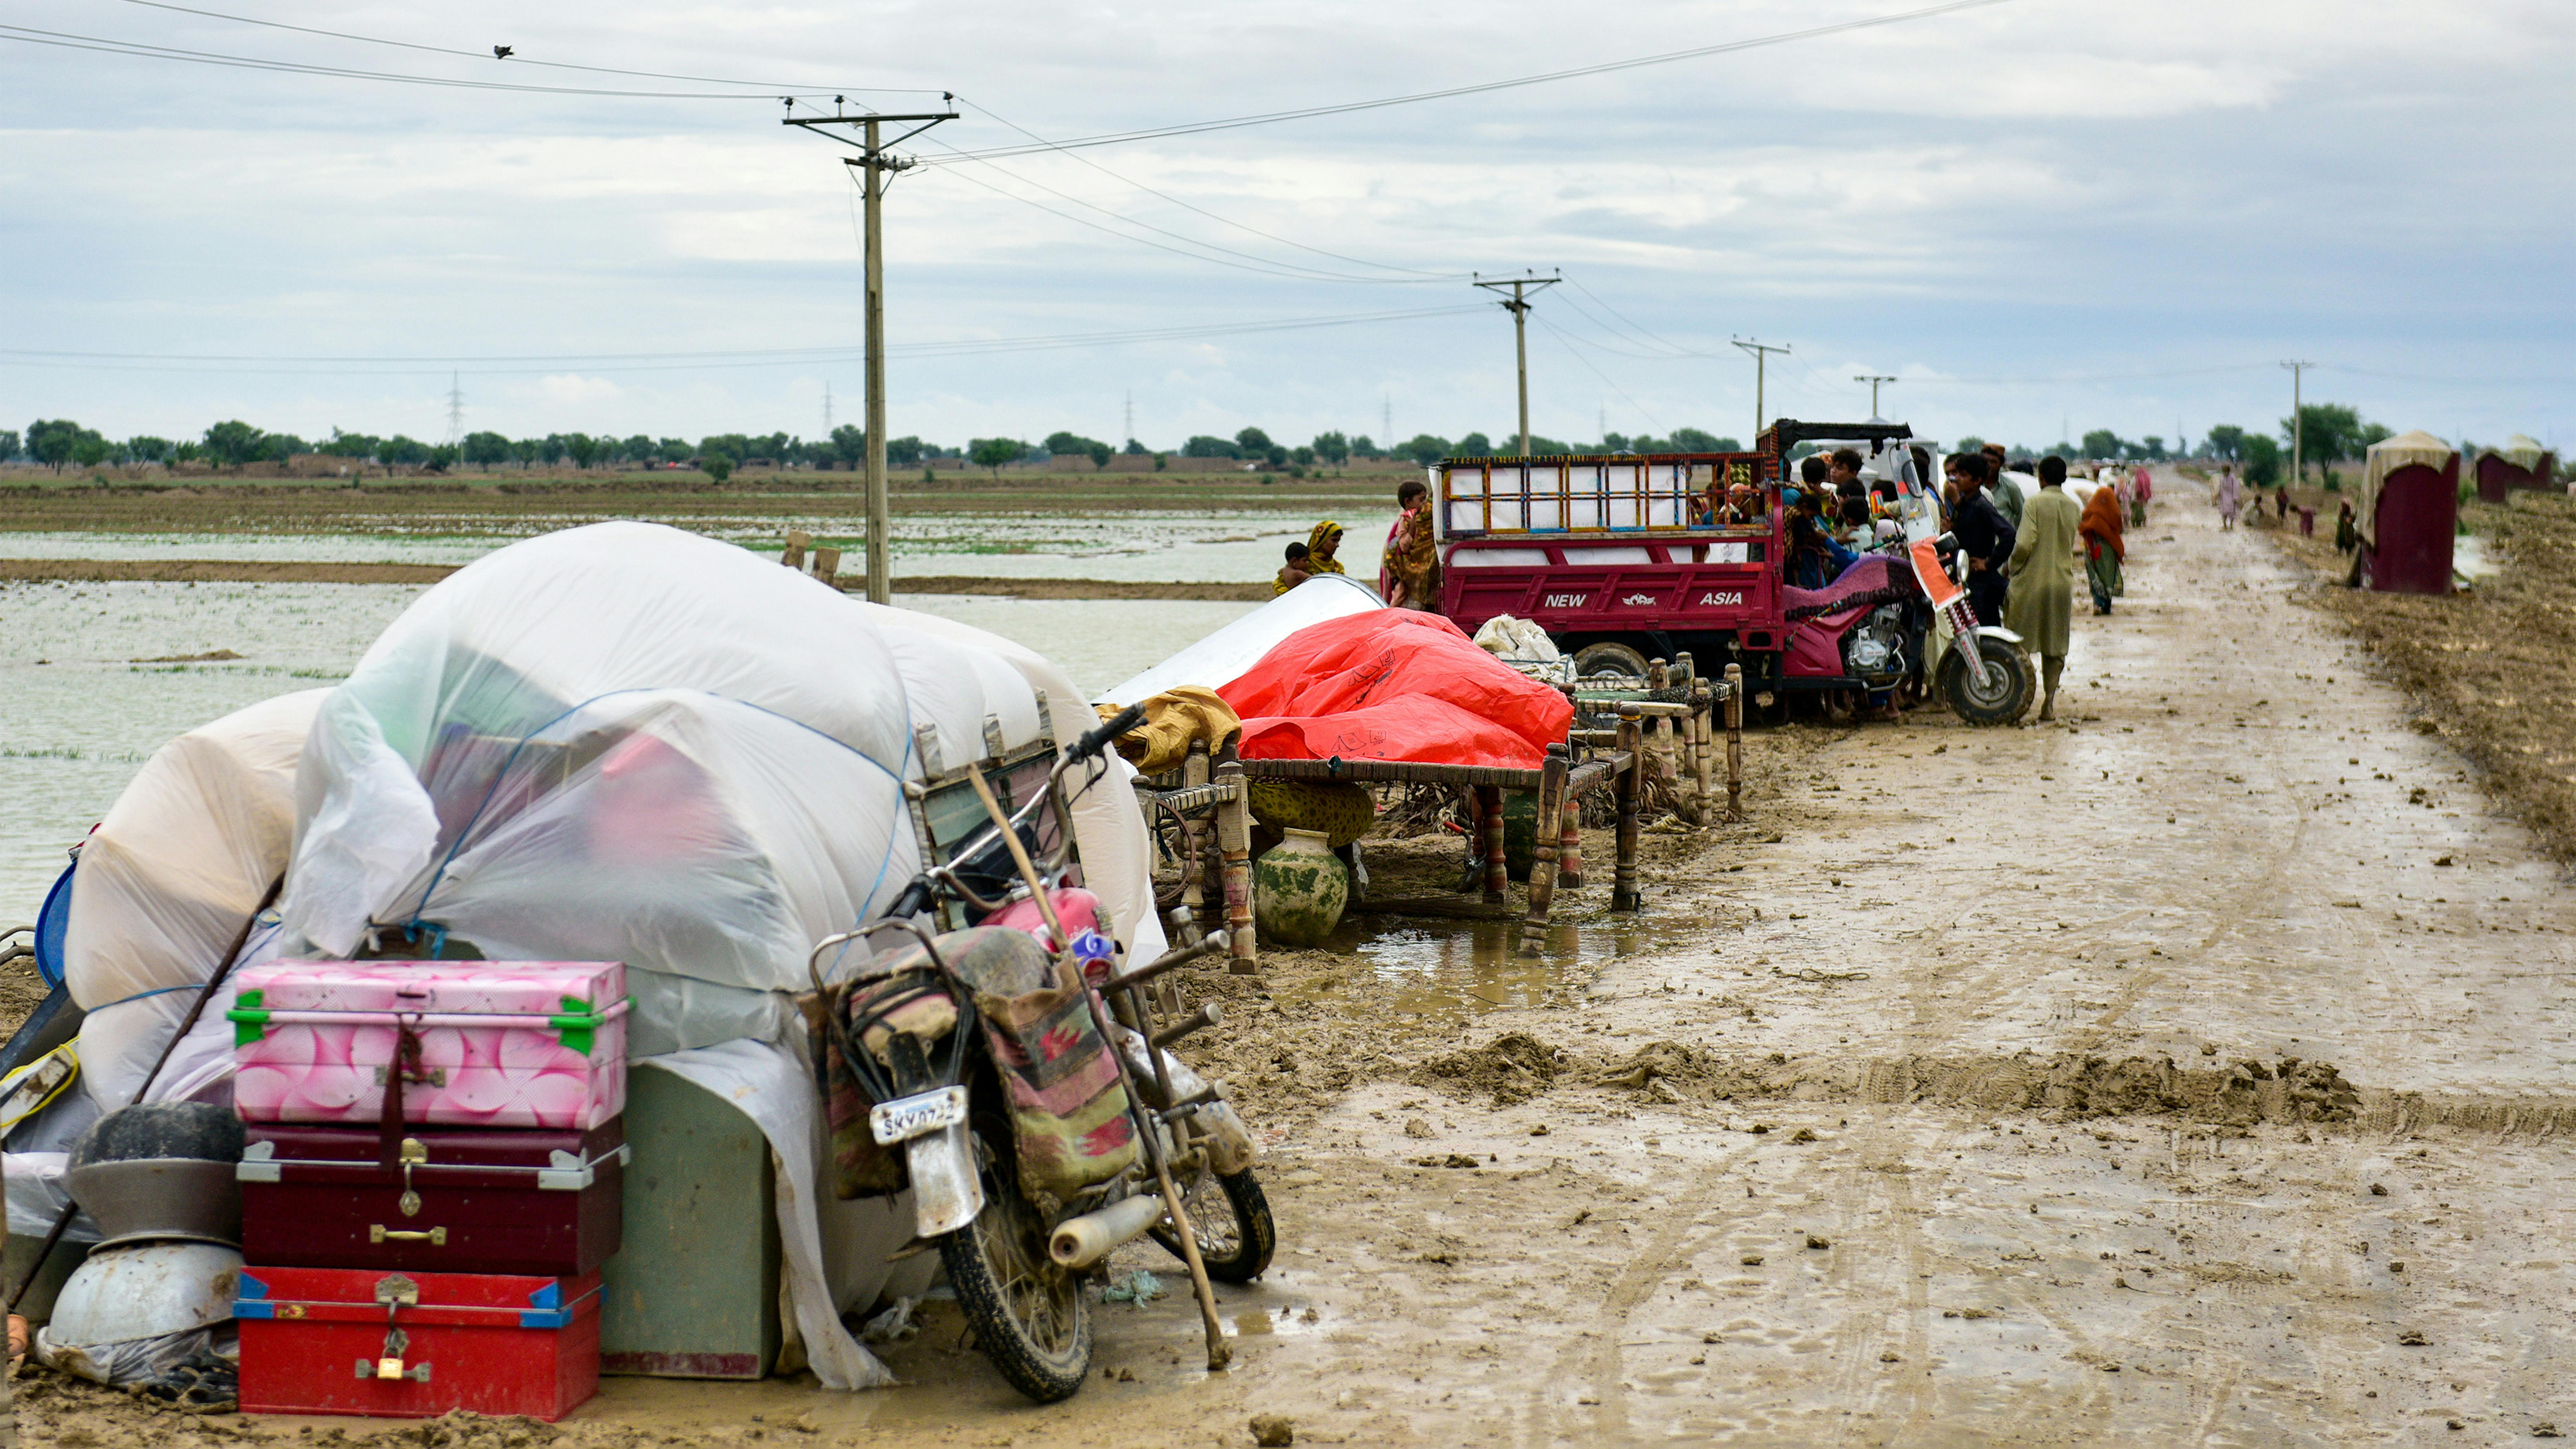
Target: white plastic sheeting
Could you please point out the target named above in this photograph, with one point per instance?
(1223, 657)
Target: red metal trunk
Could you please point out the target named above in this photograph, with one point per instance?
(453, 1200)
(414, 1346)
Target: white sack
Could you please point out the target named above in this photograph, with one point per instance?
(1226, 655)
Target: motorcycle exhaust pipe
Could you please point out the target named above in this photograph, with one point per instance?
(1080, 1242)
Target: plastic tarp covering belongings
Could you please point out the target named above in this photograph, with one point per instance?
(1215, 661)
(1394, 685)
(2407, 450)
(628, 743)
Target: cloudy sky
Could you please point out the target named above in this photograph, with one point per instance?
(2043, 216)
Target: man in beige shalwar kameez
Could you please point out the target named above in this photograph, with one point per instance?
(2041, 606)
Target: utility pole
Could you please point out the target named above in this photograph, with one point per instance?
(827, 408)
(876, 169)
(1518, 305)
(1754, 348)
(2298, 422)
(1873, 379)
(1131, 415)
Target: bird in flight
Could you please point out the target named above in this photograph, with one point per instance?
(502, 52)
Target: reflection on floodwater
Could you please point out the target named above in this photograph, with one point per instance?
(1441, 968)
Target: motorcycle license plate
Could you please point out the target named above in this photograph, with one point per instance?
(905, 1118)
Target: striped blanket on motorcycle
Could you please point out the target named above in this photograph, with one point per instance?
(1068, 1110)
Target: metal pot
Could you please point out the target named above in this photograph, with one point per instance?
(146, 1291)
(150, 1198)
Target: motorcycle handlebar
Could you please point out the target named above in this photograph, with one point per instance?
(1094, 741)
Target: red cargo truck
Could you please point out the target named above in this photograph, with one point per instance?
(1606, 555)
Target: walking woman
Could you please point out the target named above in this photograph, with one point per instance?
(2231, 496)
(2100, 530)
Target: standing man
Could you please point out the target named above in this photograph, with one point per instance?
(1983, 536)
(2042, 607)
(1409, 571)
(2003, 491)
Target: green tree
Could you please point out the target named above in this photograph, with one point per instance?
(1425, 448)
(185, 451)
(637, 449)
(2262, 461)
(360, 445)
(717, 466)
(1474, 445)
(991, 453)
(143, 449)
(1254, 443)
(1305, 456)
(2227, 443)
(1333, 448)
(1276, 456)
(52, 442)
(232, 444)
(1693, 440)
(9, 444)
(485, 450)
(1361, 447)
(903, 452)
(442, 458)
(2102, 443)
(2153, 447)
(1100, 455)
(850, 445)
(2329, 433)
(401, 452)
(1134, 449)
(1204, 446)
(93, 450)
(675, 450)
(1969, 444)
(584, 449)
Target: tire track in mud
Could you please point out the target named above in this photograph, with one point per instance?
(1602, 1364)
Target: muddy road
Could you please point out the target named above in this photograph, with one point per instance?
(2195, 1070)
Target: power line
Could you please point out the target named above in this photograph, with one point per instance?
(771, 87)
(64, 40)
(1607, 67)
(381, 365)
(1201, 210)
(1560, 334)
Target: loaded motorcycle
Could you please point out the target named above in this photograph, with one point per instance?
(1895, 622)
(974, 1066)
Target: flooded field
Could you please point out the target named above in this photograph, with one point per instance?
(95, 677)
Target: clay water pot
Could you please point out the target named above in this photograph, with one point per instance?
(1299, 889)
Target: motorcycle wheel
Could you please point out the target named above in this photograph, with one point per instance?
(2008, 690)
(1030, 1317)
(1230, 1216)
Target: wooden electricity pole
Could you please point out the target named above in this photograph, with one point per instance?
(876, 167)
(1518, 305)
(2298, 421)
(1760, 353)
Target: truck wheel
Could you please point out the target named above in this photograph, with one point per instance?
(1593, 661)
(2008, 690)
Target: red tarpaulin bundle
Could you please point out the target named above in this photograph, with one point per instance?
(1393, 684)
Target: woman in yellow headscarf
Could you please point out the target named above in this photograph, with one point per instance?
(1320, 545)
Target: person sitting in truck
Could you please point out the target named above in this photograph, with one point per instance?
(1815, 560)
(1812, 482)
(1292, 573)
(1843, 472)
(1854, 516)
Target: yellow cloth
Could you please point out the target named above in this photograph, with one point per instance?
(1173, 720)
(1316, 563)
(2041, 606)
